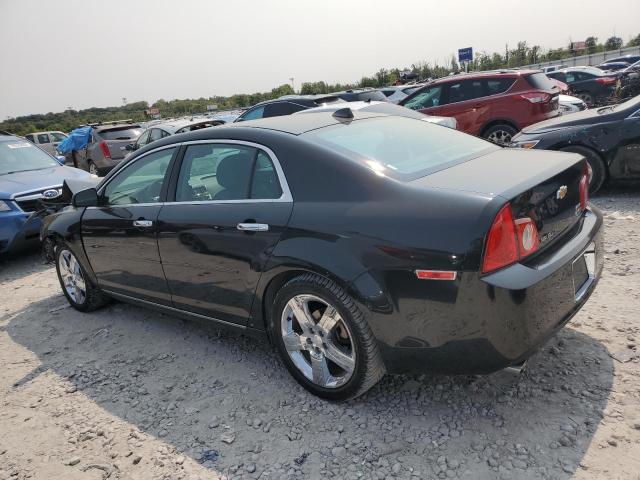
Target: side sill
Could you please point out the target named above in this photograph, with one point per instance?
(177, 312)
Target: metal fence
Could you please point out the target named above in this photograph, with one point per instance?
(584, 60)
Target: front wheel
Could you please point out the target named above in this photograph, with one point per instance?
(500, 134)
(586, 98)
(80, 294)
(324, 339)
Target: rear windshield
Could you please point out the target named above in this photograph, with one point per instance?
(127, 133)
(401, 148)
(540, 81)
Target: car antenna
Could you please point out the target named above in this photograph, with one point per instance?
(343, 113)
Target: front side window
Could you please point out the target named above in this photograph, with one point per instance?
(253, 114)
(57, 136)
(226, 172)
(156, 134)
(29, 137)
(143, 139)
(427, 98)
(141, 182)
(43, 138)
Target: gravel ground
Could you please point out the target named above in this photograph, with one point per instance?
(132, 394)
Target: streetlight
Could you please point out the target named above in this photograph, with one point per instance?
(292, 85)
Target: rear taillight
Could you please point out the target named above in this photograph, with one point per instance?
(584, 186)
(536, 97)
(509, 241)
(606, 80)
(105, 149)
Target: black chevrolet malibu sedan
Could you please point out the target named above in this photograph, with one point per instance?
(358, 243)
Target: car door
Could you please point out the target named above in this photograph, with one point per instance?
(230, 206)
(120, 234)
(44, 142)
(464, 102)
(56, 138)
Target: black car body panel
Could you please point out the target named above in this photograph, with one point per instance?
(612, 132)
(366, 232)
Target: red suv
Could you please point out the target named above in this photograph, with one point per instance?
(493, 105)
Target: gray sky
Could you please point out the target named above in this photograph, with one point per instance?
(151, 49)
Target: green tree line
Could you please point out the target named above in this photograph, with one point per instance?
(521, 54)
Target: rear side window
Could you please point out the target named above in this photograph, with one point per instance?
(499, 85)
(400, 147)
(465, 90)
(29, 137)
(57, 136)
(540, 81)
(120, 134)
(156, 134)
(226, 172)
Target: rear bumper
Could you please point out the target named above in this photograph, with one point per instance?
(18, 230)
(483, 324)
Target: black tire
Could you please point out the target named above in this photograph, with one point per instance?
(586, 97)
(369, 367)
(500, 134)
(598, 169)
(92, 299)
(95, 167)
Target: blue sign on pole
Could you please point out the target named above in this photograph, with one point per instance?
(465, 55)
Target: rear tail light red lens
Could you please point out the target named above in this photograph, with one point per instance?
(509, 241)
(501, 249)
(536, 97)
(584, 186)
(105, 149)
(606, 80)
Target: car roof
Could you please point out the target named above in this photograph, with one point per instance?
(45, 131)
(299, 124)
(302, 99)
(489, 73)
(173, 126)
(116, 126)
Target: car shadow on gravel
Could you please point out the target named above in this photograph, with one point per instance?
(15, 266)
(227, 402)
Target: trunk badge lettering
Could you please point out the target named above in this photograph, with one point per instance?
(562, 192)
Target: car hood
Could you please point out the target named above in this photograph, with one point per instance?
(19, 182)
(586, 117)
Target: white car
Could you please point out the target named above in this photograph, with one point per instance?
(569, 104)
(383, 107)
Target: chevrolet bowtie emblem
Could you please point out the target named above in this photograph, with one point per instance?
(562, 192)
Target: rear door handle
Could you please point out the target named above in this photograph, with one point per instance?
(143, 223)
(253, 227)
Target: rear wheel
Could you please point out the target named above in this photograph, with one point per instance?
(73, 279)
(324, 339)
(597, 169)
(500, 134)
(585, 97)
(93, 169)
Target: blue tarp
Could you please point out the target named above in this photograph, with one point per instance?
(76, 140)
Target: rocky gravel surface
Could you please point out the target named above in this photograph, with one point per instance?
(126, 393)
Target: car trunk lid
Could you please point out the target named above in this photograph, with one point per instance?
(544, 186)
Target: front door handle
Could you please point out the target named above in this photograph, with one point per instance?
(143, 223)
(253, 227)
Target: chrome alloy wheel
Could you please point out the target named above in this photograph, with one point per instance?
(318, 341)
(500, 137)
(93, 170)
(72, 278)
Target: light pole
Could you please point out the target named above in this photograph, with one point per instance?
(292, 85)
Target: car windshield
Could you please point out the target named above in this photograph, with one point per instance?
(21, 156)
(401, 148)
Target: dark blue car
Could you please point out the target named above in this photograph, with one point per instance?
(27, 174)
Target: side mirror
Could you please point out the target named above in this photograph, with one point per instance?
(130, 147)
(60, 159)
(85, 198)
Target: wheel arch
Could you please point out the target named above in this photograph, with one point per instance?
(601, 157)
